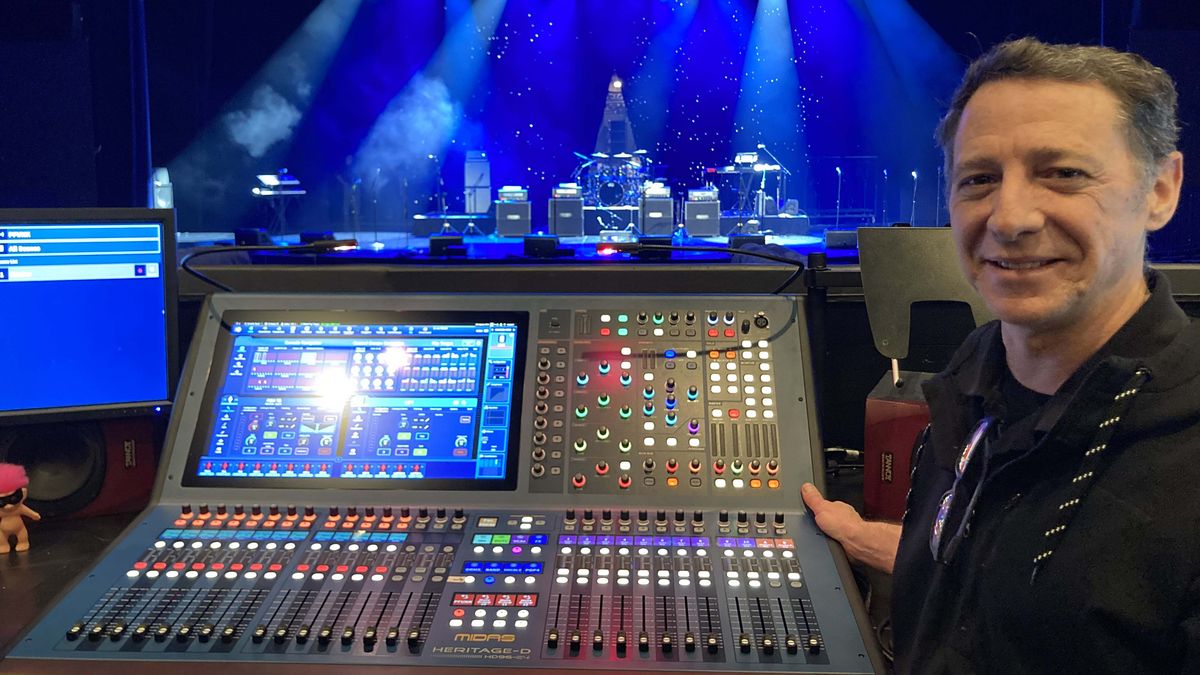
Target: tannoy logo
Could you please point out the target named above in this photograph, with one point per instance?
(887, 467)
(485, 637)
(130, 449)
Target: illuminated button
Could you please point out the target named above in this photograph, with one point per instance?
(671, 418)
(580, 445)
(648, 391)
(657, 318)
(717, 412)
(729, 332)
(578, 480)
(581, 379)
(581, 411)
(603, 400)
(602, 433)
(672, 481)
(605, 318)
(648, 409)
(623, 318)
(624, 445)
(626, 378)
(734, 413)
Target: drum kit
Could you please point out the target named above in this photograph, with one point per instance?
(613, 180)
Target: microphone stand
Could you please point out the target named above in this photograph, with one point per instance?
(783, 179)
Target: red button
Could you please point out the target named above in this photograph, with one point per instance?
(218, 566)
(605, 331)
(734, 413)
(381, 570)
(197, 566)
(275, 567)
(160, 565)
(342, 568)
(139, 565)
(322, 568)
(713, 332)
(178, 566)
(458, 613)
(299, 568)
(236, 567)
(729, 332)
(361, 569)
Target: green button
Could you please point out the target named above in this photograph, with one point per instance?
(622, 331)
(501, 538)
(622, 318)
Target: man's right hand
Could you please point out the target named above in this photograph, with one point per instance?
(871, 543)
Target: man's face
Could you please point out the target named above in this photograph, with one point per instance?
(1048, 205)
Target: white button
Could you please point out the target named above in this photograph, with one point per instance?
(747, 355)
(623, 550)
(788, 554)
(536, 550)
(510, 580)
(153, 574)
(773, 576)
(716, 412)
(768, 414)
(684, 574)
(714, 366)
(582, 581)
(648, 377)
(793, 576)
(561, 580)
(732, 378)
(768, 554)
(215, 545)
(701, 553)
(664, 582)
(661, 551)
(529, 581)
(586, 550)
(352, 547)
(520, 623)
(179, 544)
(499, 623)
(622, 573)
(604, 550)
(749, 389)
(648, 442)
(643, 582)
(268, 576)
(704, 574)
(648, 426)
(318, 576)
(643, 551)
(767, 389)
(376, 577)
(694, 442)
(764, 378)
(768, 401)
(132, 574)
(625, 465)
(605, 318)
(469, 579)
(671, 442)
(315, 547)
(287, 547)
(681, 552)
(583, 572)
(705, 583)
(455, 623)
(730, 365)
(658, 332)
(626, 351)
(196, 544)
(603, 581)
(751, 400)
(720, 482)
(373, 547)
(746, 344)
(663, 574)
(734, 583)
(739, 483)
(755, 584)
(747, 378)
(728, 553)
(235, 545)
(497, 549)
(391, 548)
(478, 549)
(764, 367)
(625, 365)
(335, 547)
(602, 573)
(763, 343)
(338, 576)
(751, 413)
(749, 553)
(643, 573)
(716, 388)
(160, 544)
(171, 574)
(526, 519)
(566, 550)
(481, 612)
(477, 623)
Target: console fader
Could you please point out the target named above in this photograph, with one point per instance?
(562, 482)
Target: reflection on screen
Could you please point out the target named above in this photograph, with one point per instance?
(326, 400)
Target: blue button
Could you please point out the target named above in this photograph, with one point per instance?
(670, 353)
(489, 580)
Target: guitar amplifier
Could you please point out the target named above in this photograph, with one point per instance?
(702, 218)
(513, 219)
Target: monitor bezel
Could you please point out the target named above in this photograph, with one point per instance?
(216, 377)
(165, 218)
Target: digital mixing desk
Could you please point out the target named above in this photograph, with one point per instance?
(455, 482)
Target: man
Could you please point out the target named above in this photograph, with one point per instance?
(1053, 523)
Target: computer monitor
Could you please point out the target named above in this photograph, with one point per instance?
(412, 400)
(88, 303)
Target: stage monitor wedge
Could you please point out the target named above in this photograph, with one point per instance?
(89, 304)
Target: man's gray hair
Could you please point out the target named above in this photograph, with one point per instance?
(1145, 93)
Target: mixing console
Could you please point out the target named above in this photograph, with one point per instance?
(549, 482)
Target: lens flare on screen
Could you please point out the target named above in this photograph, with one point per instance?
(334, 388)
(395, 358)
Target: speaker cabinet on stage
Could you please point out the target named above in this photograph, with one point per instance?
(566, 217)
(702, 219)
(84, 468)
(513, 219)
(896, 416)
(658, 216)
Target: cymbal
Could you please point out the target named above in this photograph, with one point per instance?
(599, 155)
(580, 155)
(622, 155)
(641, 152)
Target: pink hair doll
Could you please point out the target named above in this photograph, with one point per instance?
(12, 507)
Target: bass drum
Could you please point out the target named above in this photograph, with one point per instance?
(611, 193)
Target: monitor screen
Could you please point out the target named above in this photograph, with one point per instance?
(88, 303)
(413, 400)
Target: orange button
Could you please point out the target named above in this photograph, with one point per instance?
(773, 483)
(714, 354)
(755, 482)
(731, 354)
(672, 481)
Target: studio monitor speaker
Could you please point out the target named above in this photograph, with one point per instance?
(84, 468)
